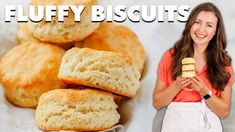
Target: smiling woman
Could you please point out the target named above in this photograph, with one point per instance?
(204, 28)
(201, 108)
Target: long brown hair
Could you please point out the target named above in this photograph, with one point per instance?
(216, 56)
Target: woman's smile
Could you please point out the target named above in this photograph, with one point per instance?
(204, 28)
(200, 35)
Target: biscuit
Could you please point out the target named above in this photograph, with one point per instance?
(116, 38)
(77, 110)
(67, 31)
(188, 73)
(189, 67)
(105, 70)
(28, 70)
(25, 36)
(117, 98)
(188, 60)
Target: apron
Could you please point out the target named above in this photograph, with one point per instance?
(190, 117)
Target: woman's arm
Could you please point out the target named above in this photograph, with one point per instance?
(162, 96)
(219, 105)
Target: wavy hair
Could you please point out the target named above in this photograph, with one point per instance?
(216, 55)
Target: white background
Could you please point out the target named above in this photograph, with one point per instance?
(156, 39)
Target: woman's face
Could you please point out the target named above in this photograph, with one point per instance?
(204, 28)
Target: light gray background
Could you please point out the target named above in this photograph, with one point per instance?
(155, 37)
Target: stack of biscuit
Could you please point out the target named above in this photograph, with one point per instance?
(103, 66)
(188, 67)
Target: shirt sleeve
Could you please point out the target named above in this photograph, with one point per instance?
(231, 79)
(163, 67)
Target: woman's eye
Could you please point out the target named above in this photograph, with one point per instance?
(209, 25)
(197, 22)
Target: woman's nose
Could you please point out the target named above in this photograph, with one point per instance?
(201, 28)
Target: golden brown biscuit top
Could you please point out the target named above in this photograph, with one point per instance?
(74, 95)
(26, 64)
(188, 60)
(107, 54)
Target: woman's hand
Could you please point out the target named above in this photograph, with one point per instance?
(199, 86)
(219, 105)
(164, 95)
(181, 82)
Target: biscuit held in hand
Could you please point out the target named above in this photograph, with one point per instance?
(188, 60)
(188, 67)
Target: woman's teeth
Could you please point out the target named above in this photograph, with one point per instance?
(200, 35)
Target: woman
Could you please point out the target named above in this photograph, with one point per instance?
(196, 104)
